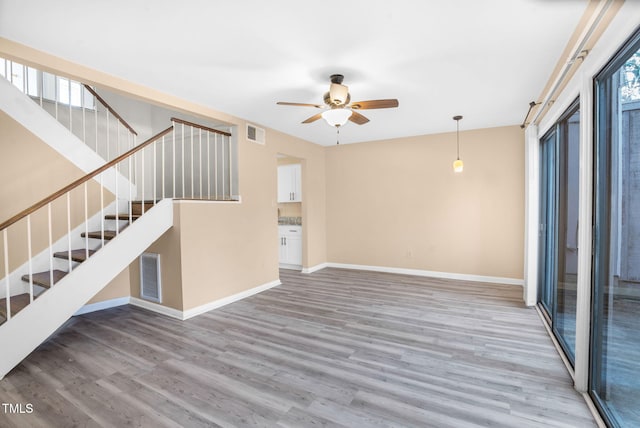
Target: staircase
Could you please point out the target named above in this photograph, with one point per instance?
(46, 279)
(32, 323)
(51, 273)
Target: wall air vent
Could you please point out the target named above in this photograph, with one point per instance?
(150, 278)
(255, 134)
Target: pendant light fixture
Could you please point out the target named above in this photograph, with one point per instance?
(457, 164)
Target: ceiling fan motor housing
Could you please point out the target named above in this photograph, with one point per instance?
(334, 100)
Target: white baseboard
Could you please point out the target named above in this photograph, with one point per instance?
(154, 307)
(290, 267)
(315, 268)
(230, 299)
(106, 304)
(198, 310)
(432, 274)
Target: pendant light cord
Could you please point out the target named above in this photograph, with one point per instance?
(457, 119)
(458, 137)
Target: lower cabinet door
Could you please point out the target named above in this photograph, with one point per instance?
(283, 249)
(294, 250)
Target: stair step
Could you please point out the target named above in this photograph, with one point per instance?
(134, 217)
(18, 303)
(78, 255)
(108, 235)
(43, 279)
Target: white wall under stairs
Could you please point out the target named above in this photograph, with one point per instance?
(21, 108)
(25, 331)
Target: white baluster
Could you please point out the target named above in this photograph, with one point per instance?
(115, 169)
(192, 165)
(208, 166)
(200, 159)
(224, 189)
(155, 177)
(84, 114)
(69, 231)
(130, 192)
(183, 188)
(108, 129)
(7, 282)
(215, 163)
(142, 177)
(55, 97)
(70, 110)
(230, 168)
(41, 94)
(162, 172)
(86, 219)
(173, 195)
(102, 210)
(30, 256)
(50, 231)
(95, 120)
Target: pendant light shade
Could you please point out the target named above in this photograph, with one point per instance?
(337, 116)
(458, 165)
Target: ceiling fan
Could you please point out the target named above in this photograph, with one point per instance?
(338, 108)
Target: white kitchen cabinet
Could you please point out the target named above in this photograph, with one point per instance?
(290, 183)
(290, 241)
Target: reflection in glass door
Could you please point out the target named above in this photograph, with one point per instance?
(546, 231)
(558, 233)
(615, 328)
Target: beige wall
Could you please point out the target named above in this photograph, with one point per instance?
(398, 203)
(119, 287)
(248, 231)
(30, 170)
(391, 203)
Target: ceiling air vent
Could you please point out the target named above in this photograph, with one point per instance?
(255, 134)
(150, 283)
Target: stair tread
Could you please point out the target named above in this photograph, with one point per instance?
(124, 216)
(43, 279)
(78, 255)
(18, 303)
(108, 234)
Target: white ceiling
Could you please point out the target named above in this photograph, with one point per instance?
(485, 60)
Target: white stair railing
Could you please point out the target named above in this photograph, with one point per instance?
(185, 161)
(76, 106)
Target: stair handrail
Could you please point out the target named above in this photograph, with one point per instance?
(82, 180)
(108, 107)
(195, 125)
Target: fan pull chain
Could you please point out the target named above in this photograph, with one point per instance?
(337, 135)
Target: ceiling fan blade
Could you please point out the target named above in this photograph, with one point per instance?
(358, 118)
(313, 118)
(371, 104)
(282, 103)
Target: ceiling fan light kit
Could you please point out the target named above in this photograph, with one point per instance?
(337, 116)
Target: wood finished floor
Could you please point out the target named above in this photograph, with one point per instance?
(335, 348)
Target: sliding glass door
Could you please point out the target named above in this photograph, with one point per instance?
(558, 232)
(615, 327)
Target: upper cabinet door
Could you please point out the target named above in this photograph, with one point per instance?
(289, 183)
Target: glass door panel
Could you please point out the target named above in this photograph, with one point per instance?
(615, 335)
(564, 315)
(546, 231)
